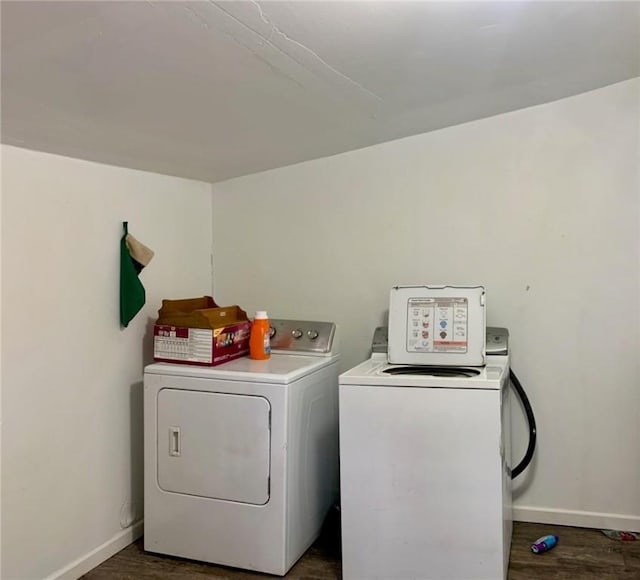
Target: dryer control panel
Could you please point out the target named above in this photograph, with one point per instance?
(303, 337)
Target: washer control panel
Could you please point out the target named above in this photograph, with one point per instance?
(302, 336)
(497, 340)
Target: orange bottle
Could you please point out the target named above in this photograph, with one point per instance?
(260, 340)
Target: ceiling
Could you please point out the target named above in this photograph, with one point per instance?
(211, 90)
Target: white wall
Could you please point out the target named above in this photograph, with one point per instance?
(540, 205)
(71, 377)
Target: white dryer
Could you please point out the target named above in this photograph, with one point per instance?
(241, 460)
(425, 486)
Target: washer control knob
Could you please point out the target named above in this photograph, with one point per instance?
(272, 332)
(312, 334)
(297, 333)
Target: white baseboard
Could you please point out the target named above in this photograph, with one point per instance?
(89, 561)
(579, 519)
(536, 515)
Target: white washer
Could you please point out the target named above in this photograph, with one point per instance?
(425, 489)
(241, 460)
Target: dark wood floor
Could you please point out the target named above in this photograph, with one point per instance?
(581, 554)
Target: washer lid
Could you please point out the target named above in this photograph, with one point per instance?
(437, 325)
(279, 369)
(378, 372)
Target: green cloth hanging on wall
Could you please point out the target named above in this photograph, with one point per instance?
(134, 256)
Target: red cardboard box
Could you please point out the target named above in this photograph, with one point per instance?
(197, 331)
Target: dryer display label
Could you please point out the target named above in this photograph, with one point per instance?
(437, 325)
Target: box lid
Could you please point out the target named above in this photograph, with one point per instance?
(199, 313)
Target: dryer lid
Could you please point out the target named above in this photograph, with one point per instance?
(279, 369)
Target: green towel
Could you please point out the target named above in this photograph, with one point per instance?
(134, 256)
